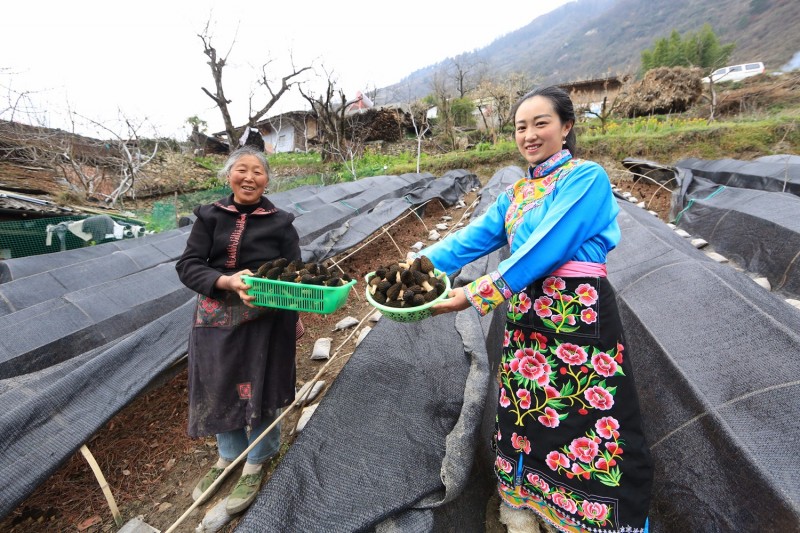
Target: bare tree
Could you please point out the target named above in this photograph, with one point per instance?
(217, 65)
(466, 73)
(342, 135)
(419, 119)
(496, 98)
(444, 126)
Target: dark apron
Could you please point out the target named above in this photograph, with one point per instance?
(241, 364)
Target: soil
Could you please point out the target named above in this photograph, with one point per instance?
(149, 462)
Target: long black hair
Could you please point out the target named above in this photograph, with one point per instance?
(562, 105)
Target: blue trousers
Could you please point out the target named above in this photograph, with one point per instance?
(232, 443)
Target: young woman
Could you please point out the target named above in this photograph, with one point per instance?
(569, 442)
(241, 357)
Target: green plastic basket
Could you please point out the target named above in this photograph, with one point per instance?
(297, 296)
(409, 314)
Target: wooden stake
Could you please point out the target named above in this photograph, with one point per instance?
(112, 504)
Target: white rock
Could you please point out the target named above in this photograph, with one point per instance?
(699, 243)
(670, 225)
(460, 225)
(442, 227)
(305, 416)
(215, 518)
(640, 204)
(447, 218)
(434, 235)
(682, 233)
(374, 317)
(717, 257)
(461, 204)
(363, 333)
(322, 349)
(626, 194)
(632, 199)
(310, 390)
(417, 246)
(763, 282)
(467, 214)
(347, 322)
(652, 212)
(792, 301)
(137, 525)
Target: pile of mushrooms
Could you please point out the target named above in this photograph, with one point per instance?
(299, 272)
(406, 285)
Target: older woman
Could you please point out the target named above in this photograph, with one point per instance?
(569, 440)
(241, 357)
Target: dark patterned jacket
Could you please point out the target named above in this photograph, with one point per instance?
(224, 241)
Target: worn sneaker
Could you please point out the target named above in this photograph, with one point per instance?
(210, 477)
(244, 493)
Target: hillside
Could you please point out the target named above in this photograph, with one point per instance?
(592, 38)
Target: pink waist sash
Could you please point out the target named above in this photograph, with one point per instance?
(580, 269)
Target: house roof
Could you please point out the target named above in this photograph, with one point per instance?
(613, 82)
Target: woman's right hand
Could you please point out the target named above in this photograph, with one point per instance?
(236, 284)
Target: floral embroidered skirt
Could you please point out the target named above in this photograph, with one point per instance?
(569, 440)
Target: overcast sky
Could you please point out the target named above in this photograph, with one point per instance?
(145, 58)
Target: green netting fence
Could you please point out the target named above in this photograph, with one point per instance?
(22, 238)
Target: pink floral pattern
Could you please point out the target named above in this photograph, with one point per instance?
(560, 309)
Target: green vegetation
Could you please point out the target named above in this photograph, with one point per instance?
(662, 138)
(698, 49)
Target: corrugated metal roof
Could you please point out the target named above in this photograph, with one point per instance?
(26, 204)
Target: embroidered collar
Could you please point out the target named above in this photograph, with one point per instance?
(553, 162)
(266, 207)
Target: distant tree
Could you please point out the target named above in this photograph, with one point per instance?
(462, 109)
(697, 49)
(444, 126)
(197, 123)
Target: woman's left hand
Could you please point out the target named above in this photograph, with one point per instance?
(456, 301)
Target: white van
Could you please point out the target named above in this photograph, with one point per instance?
(736, 72)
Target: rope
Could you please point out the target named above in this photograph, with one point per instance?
(691, 202)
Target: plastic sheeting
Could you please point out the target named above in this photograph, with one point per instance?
(767, 174)
(757, 229)
(714, 357)
(46, 416)
(13, 269)
(352, 229)
(118, 311)
(111, 265)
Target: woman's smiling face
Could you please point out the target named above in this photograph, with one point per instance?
(248, 179)
(539, 131)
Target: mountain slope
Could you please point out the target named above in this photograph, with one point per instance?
(593, 38)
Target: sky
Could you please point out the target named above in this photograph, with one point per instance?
(79, 64)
